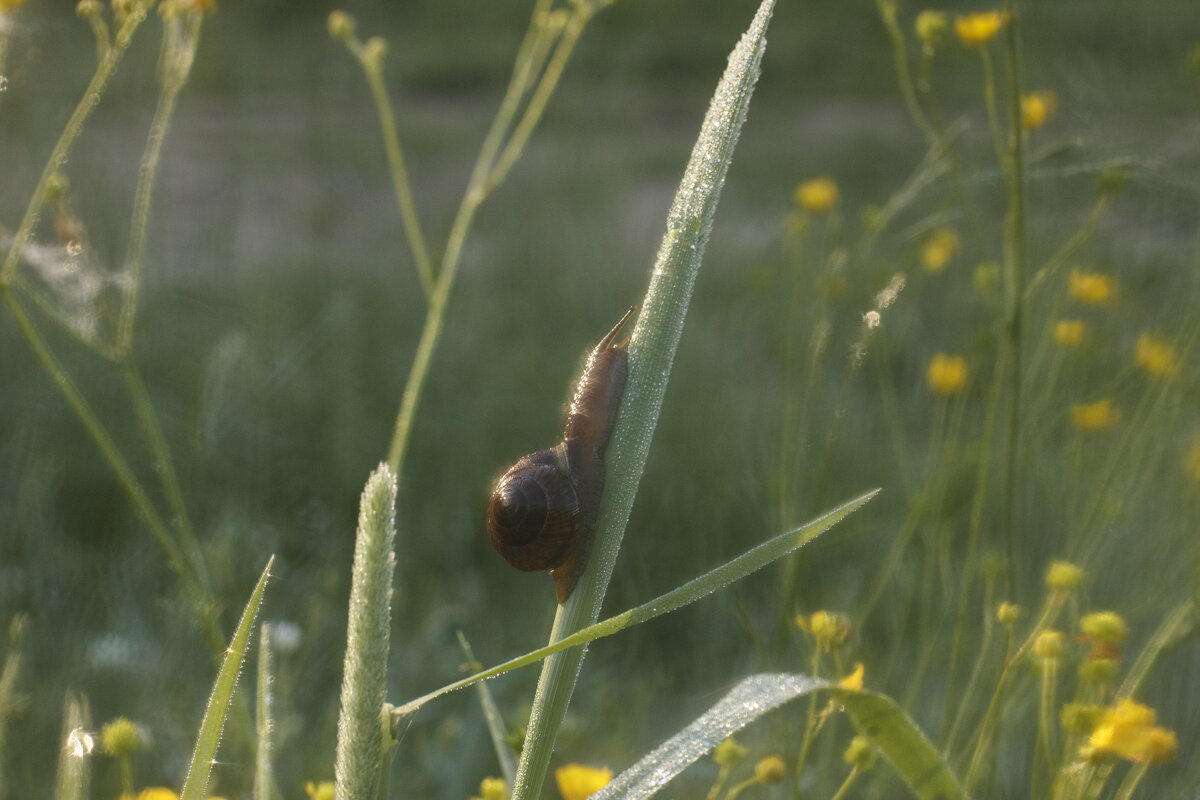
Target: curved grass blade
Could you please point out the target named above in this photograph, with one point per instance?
(748, 562)
(495, 721)
(891, 730)
(218, 703)
(875, 715)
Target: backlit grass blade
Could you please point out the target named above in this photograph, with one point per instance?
(877, 717)
(881, 720)
(218, 702)
(495, 722)
(693, 590)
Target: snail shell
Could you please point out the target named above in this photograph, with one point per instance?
(543, 511)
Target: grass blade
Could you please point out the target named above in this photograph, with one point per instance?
(196, 783)
(495, 722)
(262, 717)
(651, 352)
(880, 719)
(748, 562)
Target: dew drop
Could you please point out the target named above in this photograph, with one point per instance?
(74, 247)
(3, 82)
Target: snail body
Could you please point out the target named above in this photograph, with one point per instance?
(543, 510)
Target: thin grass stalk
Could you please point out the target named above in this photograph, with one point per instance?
(9, 699)
(505, 756)
(263, 722)
(1016, 291)
(74, 775)
(111, 453)
(373, 69)
(180, 38)
(478, 188)
(651, 352)
(62, 148)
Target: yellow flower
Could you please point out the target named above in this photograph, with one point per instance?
(976, 30)
(1091, 288)
(492, 789)
(1069, 332)
(1127, 730)
(1155, 356)
(1036, 108)
(1064, 576)
(9, 5)
(1098, 416)
(854, 681)
(860, 753)
(770, 770)
(1104, 626)
(120, 737)
(931, 27)
(1191, 461)
(947, 374)
(1008, 613)
(818, 195)
(157, 793)
(1048, 644)
(578, 781)
(939, 247)
(729, 752)
(828, 627)
(319, 791)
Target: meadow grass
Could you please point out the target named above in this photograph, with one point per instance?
(1024, 392)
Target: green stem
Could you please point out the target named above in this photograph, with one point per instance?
(58, 156)
(887, 12)
(846, 784)
(201, 606)
(373, 68)
(1016, 290)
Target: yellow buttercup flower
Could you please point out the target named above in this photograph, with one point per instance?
(818, 195)
(1069, 332)
(976, 30)
(931, 26)
(10, 5)
(492, 789)
(1036, 108)
(771, 769)
(829, 628)
(947, 374)
(1155, 356)
(1091, 288)
(1127, 730)
(939, 248)
(1048, 645)
(854, 681)
(1104, 626)
(1064, 576)
(322, 790)
(1098, 416)
(579, 781)
(1191, 461)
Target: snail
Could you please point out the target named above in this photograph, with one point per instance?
(543, 511)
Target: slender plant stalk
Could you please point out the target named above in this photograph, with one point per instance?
(125, 475)
(1016, 290)
(373, 68)
(75, 757)
(263, 723)
(58, 156)
(181, 36)
(479, 186)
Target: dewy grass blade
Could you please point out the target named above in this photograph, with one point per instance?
(218, 703)
(693, 590)
(651, 352)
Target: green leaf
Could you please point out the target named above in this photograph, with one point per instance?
(196, 783)
(753, 559)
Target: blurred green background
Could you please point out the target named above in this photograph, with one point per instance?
(281, 310)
